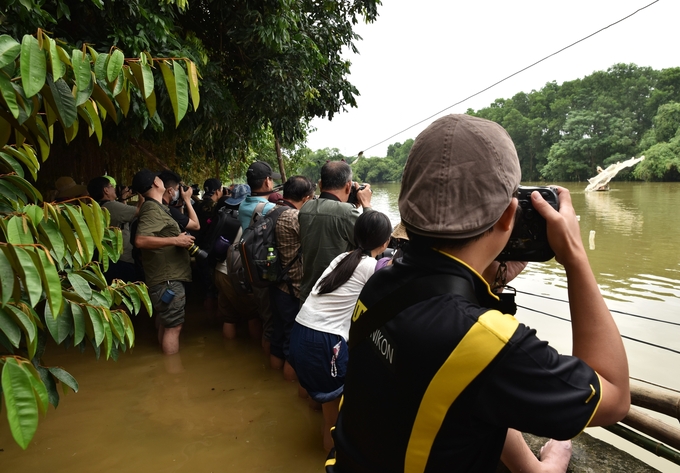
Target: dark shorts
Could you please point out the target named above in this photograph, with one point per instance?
(320, 362)
(284, 310)
(171, 314)
(233, 306)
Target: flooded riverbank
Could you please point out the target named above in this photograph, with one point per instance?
(215, 407)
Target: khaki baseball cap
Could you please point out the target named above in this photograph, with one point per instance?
(459, 178)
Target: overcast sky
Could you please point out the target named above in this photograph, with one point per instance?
(422, 56)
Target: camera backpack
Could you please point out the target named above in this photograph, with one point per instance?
(259, 259)
(225, 224)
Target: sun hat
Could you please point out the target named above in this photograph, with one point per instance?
(238, 193)
(459, 178)
(67, 188)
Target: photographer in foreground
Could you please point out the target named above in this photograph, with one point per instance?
(165, 259)
(439, 377)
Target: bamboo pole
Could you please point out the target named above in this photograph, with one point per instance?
(648, 444)
(653, 427)
(654, 398)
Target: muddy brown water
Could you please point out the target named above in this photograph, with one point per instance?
(214, 407)
(217, 407)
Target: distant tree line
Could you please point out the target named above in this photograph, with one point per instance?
(563, 132)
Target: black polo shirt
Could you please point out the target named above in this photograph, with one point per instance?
(437, 387)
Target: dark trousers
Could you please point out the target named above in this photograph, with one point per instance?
(285, 308)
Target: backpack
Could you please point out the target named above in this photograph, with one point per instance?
(224, 224)
(259, 259)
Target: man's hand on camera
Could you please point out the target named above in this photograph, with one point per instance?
(184, 240)
(186, 194)
(364, 195)
(564, 233)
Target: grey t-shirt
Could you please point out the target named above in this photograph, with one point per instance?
(121, 216)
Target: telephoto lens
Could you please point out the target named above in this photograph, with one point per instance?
(196, 252)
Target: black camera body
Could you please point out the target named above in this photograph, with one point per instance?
(529, 238)
(352, 199)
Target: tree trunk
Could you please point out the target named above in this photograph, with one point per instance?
(282, 169)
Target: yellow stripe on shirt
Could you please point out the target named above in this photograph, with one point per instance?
(485, 339)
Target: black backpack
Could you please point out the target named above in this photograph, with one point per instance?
(225, 224)
(259, 258)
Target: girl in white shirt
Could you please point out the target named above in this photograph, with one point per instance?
(318, 341)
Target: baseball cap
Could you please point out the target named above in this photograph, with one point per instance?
(143, 181)
(111, 179)
(260, 170)
(167, 176)
(459, 178)
(238, 193)
(211, 185)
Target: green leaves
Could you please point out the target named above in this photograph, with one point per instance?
(22, 392)
(176, 83)
(51, 279)
(9, 50)
(33, 66)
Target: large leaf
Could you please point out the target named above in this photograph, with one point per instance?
(69, 237)
(64, 101)
(59, 327)
(26, 155)
(193, 83)
(80, 286)
(9, 50)
(23, 321)
(51, 281)
(22, 406)
(96, 228)
(9, 94)
(97, 324)
(6, 278)
(144, 78)
(81, 69)
(83, 95)
(114, 65)
(78, 323)
(32, 281)
(11, 164)
(58, 67)
(25, 187)
(103, 100)
(10, 328)
(33, 66)
(134, 298)
(50, 229)
(84, 235)
(91, 108)
(65, 377)
(177, 88)
(18, 232)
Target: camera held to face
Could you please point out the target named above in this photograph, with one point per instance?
(529, 238)
(352, 199)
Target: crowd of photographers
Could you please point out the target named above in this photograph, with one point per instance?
(166, 223)
(441, 375)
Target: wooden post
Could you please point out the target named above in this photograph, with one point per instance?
(654, 398)
(653, 427)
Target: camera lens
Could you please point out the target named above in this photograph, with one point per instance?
(196, 252)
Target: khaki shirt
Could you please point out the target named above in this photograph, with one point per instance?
(170, 263)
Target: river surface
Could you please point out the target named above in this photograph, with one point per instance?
(217, 407)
